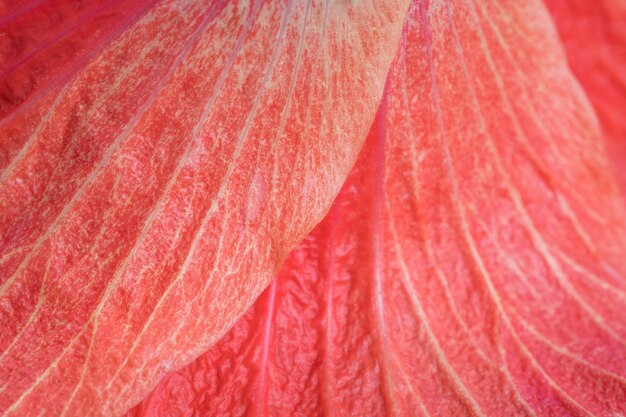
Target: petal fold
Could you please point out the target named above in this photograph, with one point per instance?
(471, 265)
(150, 194)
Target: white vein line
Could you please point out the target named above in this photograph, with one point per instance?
(565, 352)
(132, 123)
(494, 296)
(279, 134)
(507, 50)
(405, 99)
(591, 276)
(415, 169)
(101, 100)
(493, 293)
(514, 267)
(32, 316)
(323, 47)
(174, 333)
(292, 85)
(43, 293)
(415, 300)
(519, 396)
(80, 261)
(242, 139)
(111, 285)
(12, 252)
(468, 236)
(571, 215)
(461, 389)
(32, 137)
(181, 163)
(466, 397)
(94, 174)
(385, 363)
(73, 71)
(214, 206)
(502, 368)
(416, 396)
(534, 234)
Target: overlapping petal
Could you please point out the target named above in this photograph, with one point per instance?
(594, 36)
(152, 186)
(473, 262)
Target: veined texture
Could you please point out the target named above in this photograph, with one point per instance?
(472, 264)
(150, 196)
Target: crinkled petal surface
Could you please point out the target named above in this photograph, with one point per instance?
(471, 265)
(594, 35)
(151, 187)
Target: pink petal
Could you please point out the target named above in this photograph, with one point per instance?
(473, 263)
(594, 35)
(147, 200)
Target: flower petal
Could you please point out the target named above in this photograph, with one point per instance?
(594, 35)
(147, 200)
(472, 264)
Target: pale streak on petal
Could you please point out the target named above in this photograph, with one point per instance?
(563, 351)
(292, 86)
(33, 137)
(243, 136)
(502, 368)
(542, 128)
(31, 318)
(590, 276)
(103, 163)
(180, 59)
(151, 217)
(105, 159)
(514, 267)
(326, 61)
(440, 355)
(469, 240)
(536, 237)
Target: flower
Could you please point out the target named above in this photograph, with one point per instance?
(153, 184)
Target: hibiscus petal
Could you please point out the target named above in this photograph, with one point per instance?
(594, 35)
(146, 201)
(45, 42)
(471, 265)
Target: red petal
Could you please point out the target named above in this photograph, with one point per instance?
(146, 203)
(594, 35)
(473, 263)
(43, 42)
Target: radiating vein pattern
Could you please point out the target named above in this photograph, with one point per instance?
(594, 37)
(152, 187)
(473, 262)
